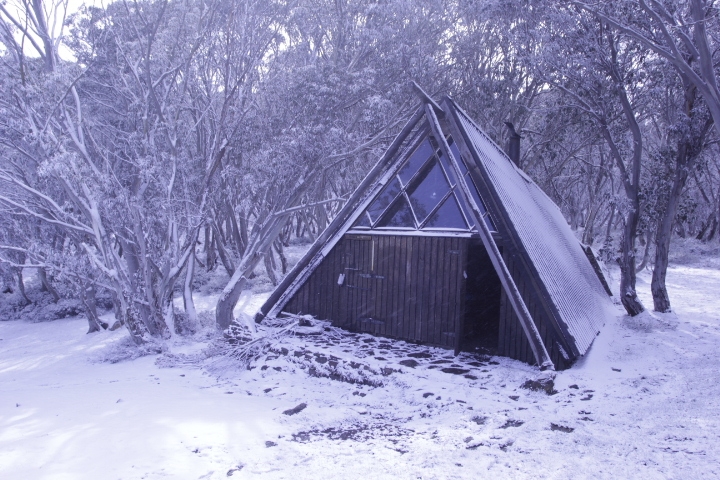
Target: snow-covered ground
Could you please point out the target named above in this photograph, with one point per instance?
(644, 403)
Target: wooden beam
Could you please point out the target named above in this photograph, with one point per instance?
(513, 294)
(512, 241)
(427, 99)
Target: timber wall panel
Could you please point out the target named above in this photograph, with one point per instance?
(512, 341)
(409, 287)
(413, 315)
(433, 329)
(423, 289)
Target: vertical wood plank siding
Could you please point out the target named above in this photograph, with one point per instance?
(512, 341)
(413, 288)
(406, 287)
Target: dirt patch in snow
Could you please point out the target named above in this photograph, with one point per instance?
(359, 432)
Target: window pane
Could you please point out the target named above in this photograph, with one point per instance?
(447, 216)
(456, 153)
(384, 199)
(416, 160)
(363, 221)
(475, 195)
(490, 224)
(430, 187)
(399, 215)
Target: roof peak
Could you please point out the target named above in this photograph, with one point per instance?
(428, 99)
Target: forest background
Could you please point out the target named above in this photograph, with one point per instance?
(145, 143)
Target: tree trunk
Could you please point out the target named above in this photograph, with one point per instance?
(646, 254)
(688, 149)
(705, 226)
(165, 317)
(269, 268)
(162, 316)
(631, 183)
(231, 293)
(680, 230)
(132, 319)
(47, 285)
(628, 295)
(611, 221)
(235, 230)
(713, 230)
(211, 258)
(188, 301)
(661, 300)
(21, 287)
(309, 227)
(589, 232)
(148, 299)
(283, 259)
(298, 226)
(118, 311)
(243, 231)
(181, 324)
(321, 217)
(222, 253)
(87, 296)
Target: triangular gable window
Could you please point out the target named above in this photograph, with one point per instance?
(416, 160)
(421, 195)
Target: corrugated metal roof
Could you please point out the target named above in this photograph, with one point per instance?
(562, 266)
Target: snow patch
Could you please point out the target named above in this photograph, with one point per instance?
(648, 321)
(642, 403)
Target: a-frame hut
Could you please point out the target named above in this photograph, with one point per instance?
(447, 242)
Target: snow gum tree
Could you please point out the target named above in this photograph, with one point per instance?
(680, 34)
(688, 129)
(119, 150)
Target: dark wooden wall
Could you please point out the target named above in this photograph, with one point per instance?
(407, 287)
(512, 341)
(413, 288)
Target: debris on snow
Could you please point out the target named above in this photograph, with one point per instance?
(544, 383)
(561, 428)
(512, 423)
(296, 409)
